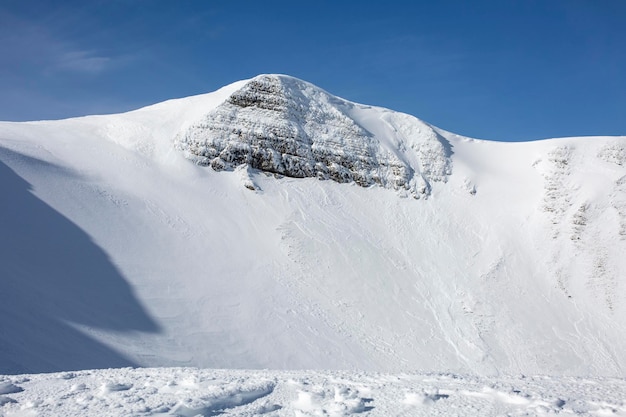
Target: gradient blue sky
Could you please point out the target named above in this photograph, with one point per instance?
(498, 69)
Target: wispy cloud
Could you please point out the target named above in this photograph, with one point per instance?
(29, 47)
(88, 62)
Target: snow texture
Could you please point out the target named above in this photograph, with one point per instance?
(187, 392)
(117, 251)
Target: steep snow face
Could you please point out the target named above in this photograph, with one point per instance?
(116, 250)
(587, 217)
(283, 125)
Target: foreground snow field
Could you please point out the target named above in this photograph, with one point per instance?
(191, 392)
(176, 235)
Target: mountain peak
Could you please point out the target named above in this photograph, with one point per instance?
(117, 245)
(282, 125)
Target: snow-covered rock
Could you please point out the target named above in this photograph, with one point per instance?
(286, 126)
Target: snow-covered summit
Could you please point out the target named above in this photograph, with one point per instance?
(283, 125)
(116, 250)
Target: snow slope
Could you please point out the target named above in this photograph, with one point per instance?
(468, 256)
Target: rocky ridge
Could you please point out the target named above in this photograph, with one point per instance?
(282, 125)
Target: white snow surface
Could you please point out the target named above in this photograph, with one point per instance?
(489, 259)
(187, 392)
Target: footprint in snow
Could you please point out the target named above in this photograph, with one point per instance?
(336, 402)
(423, 398)
(6, 400)
(110, 386)
(230, 398)
(9, 388)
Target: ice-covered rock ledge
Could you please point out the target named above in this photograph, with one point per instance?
(282, 125)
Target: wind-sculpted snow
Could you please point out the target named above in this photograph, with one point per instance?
(189, 392)
(285, 126)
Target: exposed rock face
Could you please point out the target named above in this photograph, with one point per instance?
(283, 125)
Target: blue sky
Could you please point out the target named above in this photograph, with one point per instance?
(498, 69)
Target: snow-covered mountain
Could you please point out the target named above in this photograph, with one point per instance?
(272, 225)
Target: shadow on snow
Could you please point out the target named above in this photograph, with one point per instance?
(52, 275)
